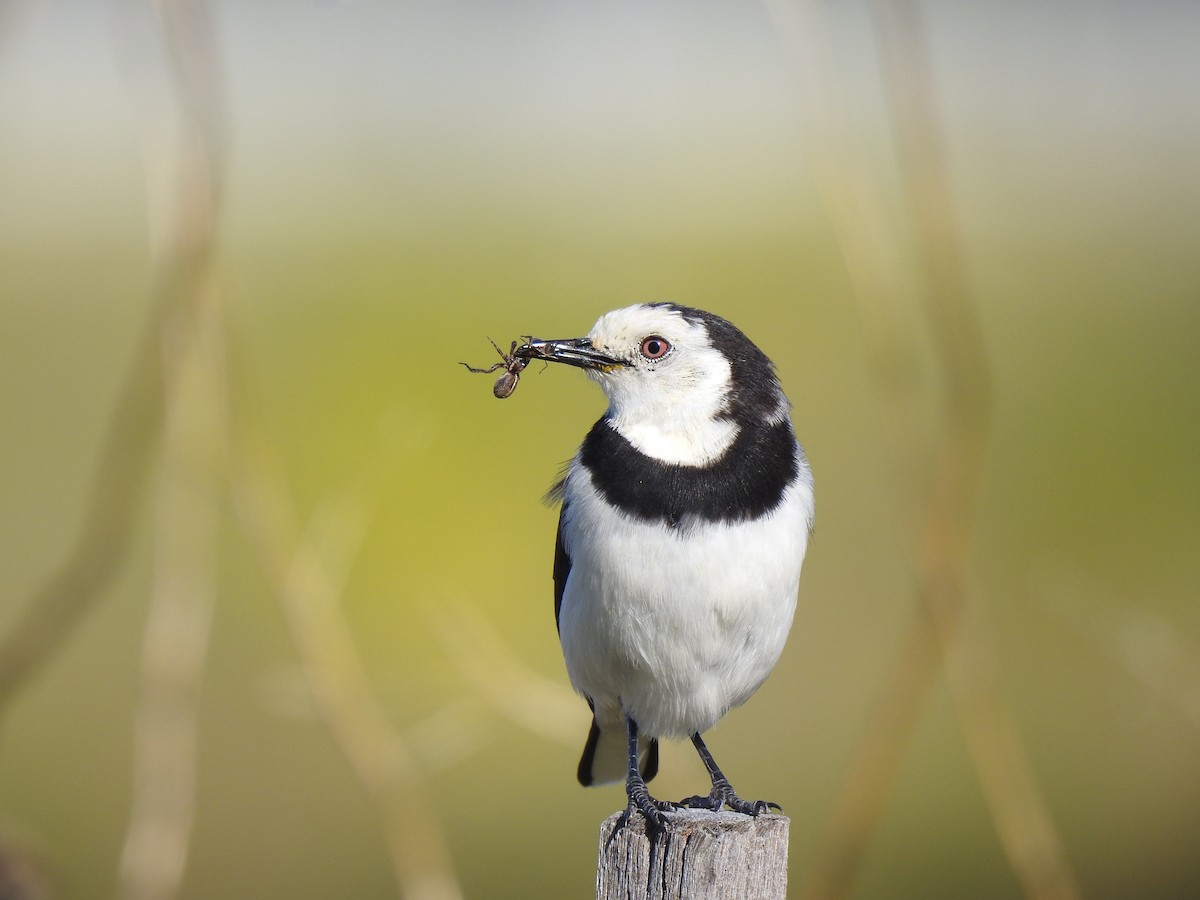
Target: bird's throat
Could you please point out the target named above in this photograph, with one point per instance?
(683, 440)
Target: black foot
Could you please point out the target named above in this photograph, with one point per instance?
(651, 809)
(639, 795)
(722, 794)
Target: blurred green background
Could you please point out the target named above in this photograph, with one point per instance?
(402, 180)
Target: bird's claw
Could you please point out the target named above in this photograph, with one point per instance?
(752, 807)
(652, 810)
(723, 795)
(710, 802)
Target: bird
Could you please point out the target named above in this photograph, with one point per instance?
(685, 516)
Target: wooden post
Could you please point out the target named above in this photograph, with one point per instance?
(701, 856)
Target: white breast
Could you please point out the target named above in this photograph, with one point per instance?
(676, 627)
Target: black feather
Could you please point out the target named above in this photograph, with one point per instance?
(748, 481)
(584, 773)
(562, 566)
(754, 394)
(650, 768)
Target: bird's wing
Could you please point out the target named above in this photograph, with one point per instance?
(562, 566)
(603, 758)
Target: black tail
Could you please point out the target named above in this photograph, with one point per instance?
(604, 757)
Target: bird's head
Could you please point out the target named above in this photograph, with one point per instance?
(680, 382)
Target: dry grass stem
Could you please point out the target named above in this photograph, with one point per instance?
(309, 591)
(105, 532)
(183, 594)
(182, 190)
(945, 460)
(512, 689)
(883, 286)
(1019, 811)
(881, 277)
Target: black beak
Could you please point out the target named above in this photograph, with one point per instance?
(572, 351)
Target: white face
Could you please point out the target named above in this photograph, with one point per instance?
(666, 402)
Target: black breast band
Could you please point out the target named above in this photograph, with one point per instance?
(746, 482)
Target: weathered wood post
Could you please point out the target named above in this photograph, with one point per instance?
(701, 856)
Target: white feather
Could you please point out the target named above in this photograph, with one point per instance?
(676, 627)
(667, 408)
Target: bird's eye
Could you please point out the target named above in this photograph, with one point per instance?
(655, 347)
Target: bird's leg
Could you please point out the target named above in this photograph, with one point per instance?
(722, 793)
(635, 787)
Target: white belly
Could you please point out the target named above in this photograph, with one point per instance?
(677, 628)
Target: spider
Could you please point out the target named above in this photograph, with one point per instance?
(513, 363)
